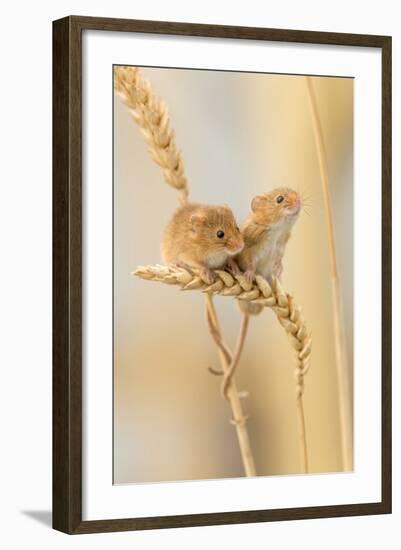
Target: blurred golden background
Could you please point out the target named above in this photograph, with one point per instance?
(241, 134)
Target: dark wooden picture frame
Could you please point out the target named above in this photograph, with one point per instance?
(67, 274)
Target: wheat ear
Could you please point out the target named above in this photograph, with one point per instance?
(151, 114)
(258, 292)
(344, 390)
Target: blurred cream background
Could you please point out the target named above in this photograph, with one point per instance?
(240, 134)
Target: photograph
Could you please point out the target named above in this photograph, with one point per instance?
(233, 270)
(200, 312)
(222, 269)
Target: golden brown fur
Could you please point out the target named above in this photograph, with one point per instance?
(190, 237)
(266, 232)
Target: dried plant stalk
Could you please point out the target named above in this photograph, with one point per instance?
(228, 362)
(228, 375)
(151, 114)
(259, 292)
(238, 417)
(344, 390)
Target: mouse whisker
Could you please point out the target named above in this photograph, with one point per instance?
(306, 197)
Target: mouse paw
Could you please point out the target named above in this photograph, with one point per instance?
(233, 267)
(207, 275)
(249, 275)
(279, 269)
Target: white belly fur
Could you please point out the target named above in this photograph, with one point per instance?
(215, 260)
(270, 252)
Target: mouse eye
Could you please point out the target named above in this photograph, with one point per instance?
(220, 234)
(279, 199)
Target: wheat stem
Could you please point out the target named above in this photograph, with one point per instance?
(216, 335)
(302, 435)
(344, 389)
(236, 356)
(238, 418)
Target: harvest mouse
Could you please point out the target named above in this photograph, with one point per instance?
(202, 236)
(266, 232)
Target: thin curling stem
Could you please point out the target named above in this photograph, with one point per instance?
(217, 337)
(238, 418)
(237, 354)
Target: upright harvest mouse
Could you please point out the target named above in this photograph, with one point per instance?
(266, 232)
(202, 236)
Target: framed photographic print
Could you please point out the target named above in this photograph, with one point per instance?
(221, 274)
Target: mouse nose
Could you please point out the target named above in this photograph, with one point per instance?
(237, 245)
(297, 203)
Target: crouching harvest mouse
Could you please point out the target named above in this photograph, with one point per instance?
(202, 236)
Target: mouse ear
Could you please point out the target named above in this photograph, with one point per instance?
(226, 211)
(197, 219)
(258, 202)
